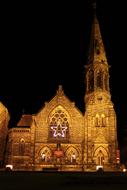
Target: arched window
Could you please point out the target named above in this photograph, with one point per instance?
(103, 121)
(97, 124)
(58, 125)
(45, 154)
(100, 157)
(72, 155)
(21, 147)
(99, 82)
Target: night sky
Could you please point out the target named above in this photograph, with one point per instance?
(44, 45)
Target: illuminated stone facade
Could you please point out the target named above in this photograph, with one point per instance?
(4, 119)
(59, 136)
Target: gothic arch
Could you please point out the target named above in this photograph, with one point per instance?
(100, 156)
(21, 147)
(59, 107)
(72, 155)
(100, 120)
(22, 140)
(45, 154)
(99, 79)
(97, 120)
(103, 120)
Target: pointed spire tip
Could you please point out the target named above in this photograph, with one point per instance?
(94, 5)
(60, 90)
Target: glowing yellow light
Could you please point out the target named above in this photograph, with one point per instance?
(97, 115)
(99, 167)
(124, 170)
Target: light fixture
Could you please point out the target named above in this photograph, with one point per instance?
(9, 167)
(99, 167)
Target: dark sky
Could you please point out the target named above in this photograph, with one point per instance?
(44, 45)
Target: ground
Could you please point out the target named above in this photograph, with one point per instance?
(62, 181)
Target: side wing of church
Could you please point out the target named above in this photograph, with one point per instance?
(59, 136)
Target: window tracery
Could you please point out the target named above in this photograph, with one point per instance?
(100, 120)
(59, 125)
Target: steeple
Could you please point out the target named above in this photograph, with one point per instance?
(96, 49)
(97, 68)
(100, 116)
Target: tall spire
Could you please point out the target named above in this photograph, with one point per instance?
(96, 49)
(97, 69)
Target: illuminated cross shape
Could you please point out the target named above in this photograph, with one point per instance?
(59, 130)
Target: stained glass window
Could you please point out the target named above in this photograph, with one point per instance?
(59, 125)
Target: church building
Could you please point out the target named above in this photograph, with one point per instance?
(4, 119)
(60, 136)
